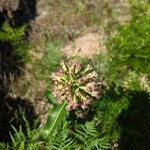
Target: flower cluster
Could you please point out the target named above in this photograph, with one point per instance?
(76, 85)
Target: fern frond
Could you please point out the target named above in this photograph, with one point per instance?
(4, 146)
(15, 37)
(7, 33)
(87, 137)
(28, 140)
(60, 141)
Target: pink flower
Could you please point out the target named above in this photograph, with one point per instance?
(76, 85)
(95, 94)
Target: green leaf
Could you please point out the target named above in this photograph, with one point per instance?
(56, 115)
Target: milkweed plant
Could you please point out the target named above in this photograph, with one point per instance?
(76, 85)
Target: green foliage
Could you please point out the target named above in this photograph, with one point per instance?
(139, 8)
(52, 56)
(102, 65)
(128, 56)
(83, 137)
(49, 61)
(128, 52)
(15, 36)
(130, 46)
(60, 141)
(7, 33)
(4, 146)
(88, 137)
(27, 140)
(108, 109)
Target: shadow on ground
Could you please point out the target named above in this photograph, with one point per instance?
(12, 111)
(16, 13)
(10, 65)
(135, 123)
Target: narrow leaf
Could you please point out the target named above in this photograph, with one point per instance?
(56, 115)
